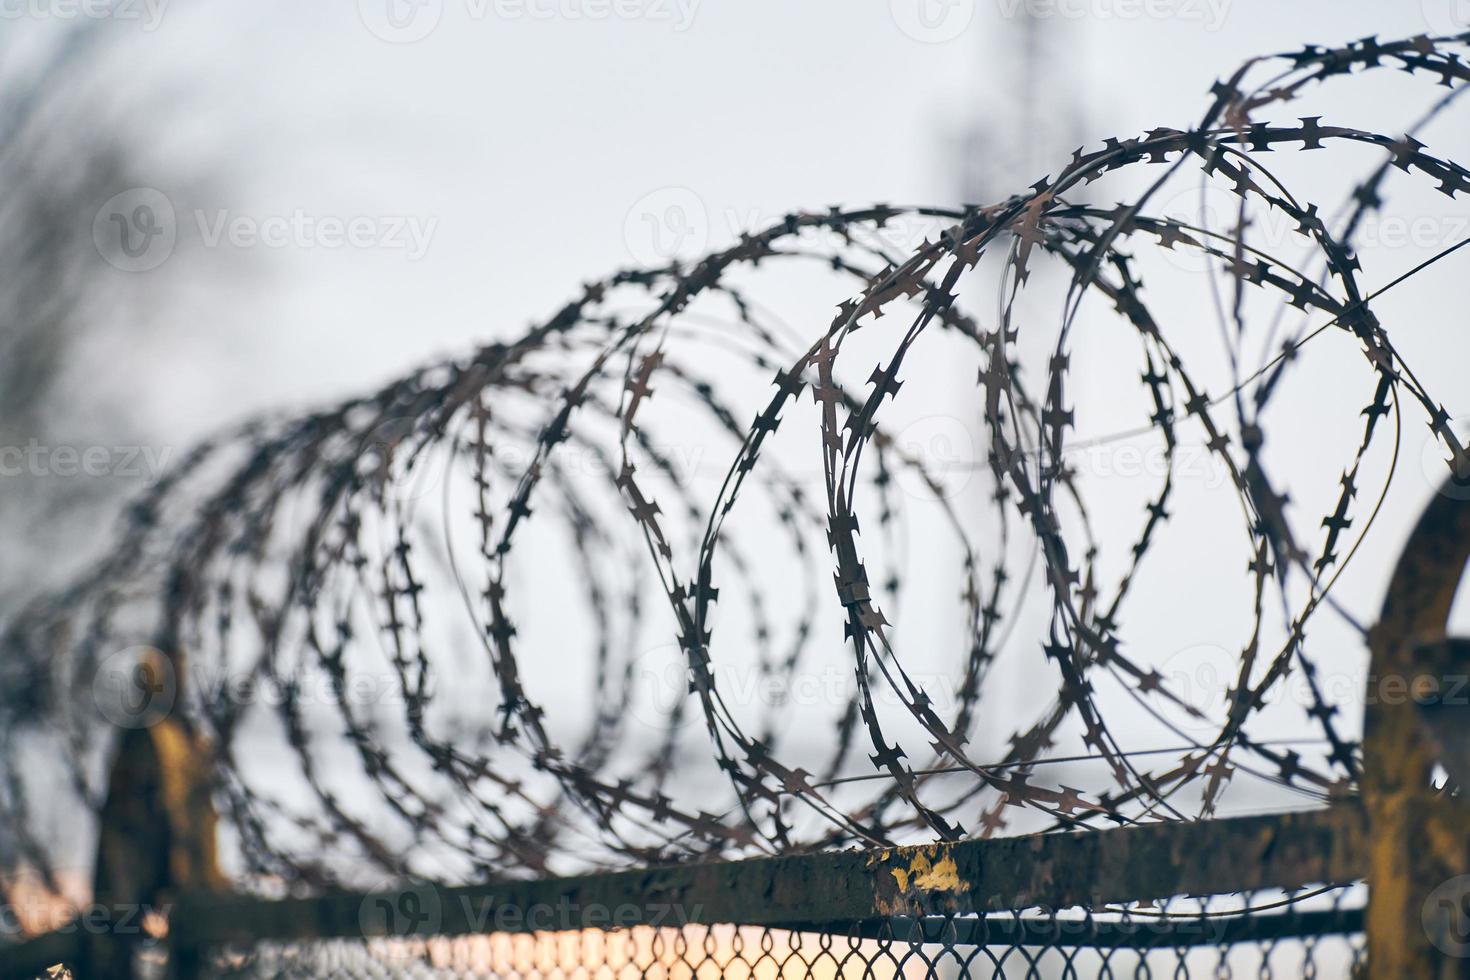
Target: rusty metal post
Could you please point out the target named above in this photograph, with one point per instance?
(1419, 840)
(157, 834)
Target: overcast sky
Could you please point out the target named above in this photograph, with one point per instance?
(525, 139)
(357, 189)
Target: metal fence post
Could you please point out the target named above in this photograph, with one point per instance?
(1419, 839)
(157, 833)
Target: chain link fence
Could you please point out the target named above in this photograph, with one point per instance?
(1313, 933)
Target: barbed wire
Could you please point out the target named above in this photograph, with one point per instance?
(402, 537)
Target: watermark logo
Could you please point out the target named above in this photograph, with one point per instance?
(407, 21)
(357, 689)
(932, 21)
(943, 451)
(1201, 676)
(1210, 13)
(1210, 217)
(486, 914)
(393, 459)
(679, 13)
(666, 225)
(660, 685)
(38, 459)
(410, 234)
(136, 230)
(673, 223)
(35, 914)
(1446, 916)
(1210, 208)
(1437, 461)
(135, 687)
(414, 910)
(148, 12)
(940, 455)
(1446, 16)
(400, 21)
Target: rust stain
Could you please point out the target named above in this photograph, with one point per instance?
(880, 856)
(930, 869)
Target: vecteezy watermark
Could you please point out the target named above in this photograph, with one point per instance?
(489, 914)
(1446, 16)
(399, 457)
(1122, 460)
(148, 12)
(392, 458)
(678, 13)
(301, 229)
(38, 459)
(662, 696)
(678, 462)
(44, 915)
(1062, 923)
(674, 224)
(138, 229)
(1446, 916)
(932, 21)
(418, 910)
(1201, 676)
(1211, 216)
(407, 21)
(135, 687)
(942, 451)
(1441, 689)
(413, 910)
(359, 689)
(1210, 13)
(400, 21)
(1205, 677)
(666, 225)
(1444, 469)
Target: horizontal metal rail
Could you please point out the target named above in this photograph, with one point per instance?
(1054, 871)
(32, 957)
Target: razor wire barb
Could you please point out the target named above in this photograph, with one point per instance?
(310, 546)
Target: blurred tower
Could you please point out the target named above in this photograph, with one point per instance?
(1030, 117)
(1025, 122)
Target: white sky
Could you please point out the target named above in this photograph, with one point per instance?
(527, 141)
(533, 147)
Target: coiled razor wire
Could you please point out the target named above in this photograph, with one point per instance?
(413, 536)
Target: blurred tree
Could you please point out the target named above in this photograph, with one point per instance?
(61, 156)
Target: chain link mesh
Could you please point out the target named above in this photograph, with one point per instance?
(1315, 933)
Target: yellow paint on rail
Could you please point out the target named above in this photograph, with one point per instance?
(930, 869)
